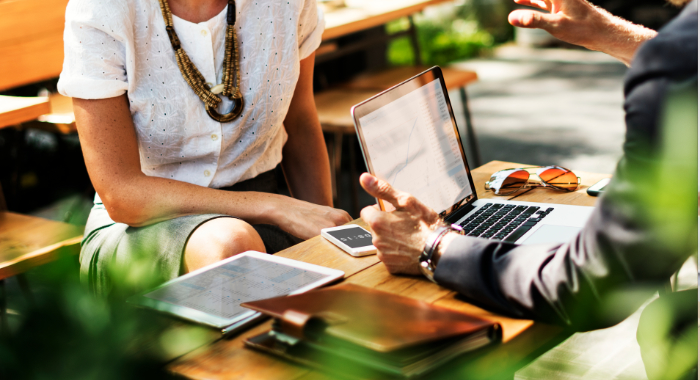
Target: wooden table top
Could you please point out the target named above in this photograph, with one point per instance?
(16, 110)
(359, 15)
(27, 241)
(228, 359)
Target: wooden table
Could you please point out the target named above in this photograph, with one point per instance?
(359, 15)
(523, 339)
(17, 110)
(27, 242)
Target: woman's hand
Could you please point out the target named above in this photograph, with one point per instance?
(305, 220)
(400, 235)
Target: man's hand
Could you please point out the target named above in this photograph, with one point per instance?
(581, 23)
(398, 235)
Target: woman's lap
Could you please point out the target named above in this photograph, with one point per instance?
(155, 250)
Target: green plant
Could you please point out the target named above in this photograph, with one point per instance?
(443, 37)
(66, 332)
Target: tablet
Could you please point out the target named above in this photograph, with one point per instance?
(213, 295)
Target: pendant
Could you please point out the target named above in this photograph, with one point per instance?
(219, 88)
(227, 118)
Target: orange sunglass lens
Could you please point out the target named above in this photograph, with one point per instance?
(560, 178)
(513, 182)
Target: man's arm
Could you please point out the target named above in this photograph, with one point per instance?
(581, 23)
(305, 160)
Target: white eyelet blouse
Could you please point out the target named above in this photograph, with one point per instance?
(114, 47)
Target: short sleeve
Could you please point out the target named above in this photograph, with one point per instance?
(94, 49)
(311, 27)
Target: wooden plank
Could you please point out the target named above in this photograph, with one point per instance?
(379, 278)
(31, 41)
(544, 195)
(227, 359)
(320, 251)
(61, 119)
(333, 107)
(500, 361)
(27, 241)
(382, 80)
(359, 15)
(16, 110)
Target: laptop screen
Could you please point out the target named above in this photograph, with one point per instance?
(410, 140)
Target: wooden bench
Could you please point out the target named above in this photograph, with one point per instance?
(31, 41)
(27, 242)
(31, 50)
(455, 79)
(333, 107)
(15, 110)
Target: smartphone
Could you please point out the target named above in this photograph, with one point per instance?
(352, 239)
(598, 188)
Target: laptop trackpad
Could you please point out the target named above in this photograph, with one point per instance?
(549, 233)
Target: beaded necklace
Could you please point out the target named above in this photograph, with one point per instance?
(195, 79)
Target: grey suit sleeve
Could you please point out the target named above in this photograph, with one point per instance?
(642, 230)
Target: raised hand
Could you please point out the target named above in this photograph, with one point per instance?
(398, 235)
(581, 23)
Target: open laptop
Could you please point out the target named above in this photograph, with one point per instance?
(409, 138)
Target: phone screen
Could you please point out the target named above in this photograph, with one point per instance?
(355, 237)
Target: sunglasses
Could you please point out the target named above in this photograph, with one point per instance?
(508, 181)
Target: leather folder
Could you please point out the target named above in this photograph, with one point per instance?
(350, 328)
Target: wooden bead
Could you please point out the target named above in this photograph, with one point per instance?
(194, 77)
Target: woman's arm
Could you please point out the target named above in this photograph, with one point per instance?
(109, 145)
(305, 160)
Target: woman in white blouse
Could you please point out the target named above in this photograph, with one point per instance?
(158, 160)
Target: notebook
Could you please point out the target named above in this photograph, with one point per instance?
(410, 139)
(360, 331)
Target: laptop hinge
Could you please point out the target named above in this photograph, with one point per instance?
(460, 212)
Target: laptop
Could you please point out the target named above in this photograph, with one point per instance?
(409, 138)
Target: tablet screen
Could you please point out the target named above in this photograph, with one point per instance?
(410, 140)
(219, 290)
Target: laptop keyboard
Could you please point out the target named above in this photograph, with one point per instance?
(503, 221)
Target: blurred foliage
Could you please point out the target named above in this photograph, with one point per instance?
(668, 333)
(452, 32)
(64, 331)
(490, 16)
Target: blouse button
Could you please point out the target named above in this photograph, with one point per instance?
(207, 173)
(204, 32)
(214, 137)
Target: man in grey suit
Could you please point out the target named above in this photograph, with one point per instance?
(642, 230)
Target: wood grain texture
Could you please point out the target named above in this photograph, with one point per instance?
(333, 108)
(364, 14)
(61, 119)
(31, 41)
(538, 194)
(28, 241)
(16, 110)
(228, 359)
(381, 80)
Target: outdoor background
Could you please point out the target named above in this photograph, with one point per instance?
(537, 101)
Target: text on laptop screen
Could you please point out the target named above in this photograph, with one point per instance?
(414, 147)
